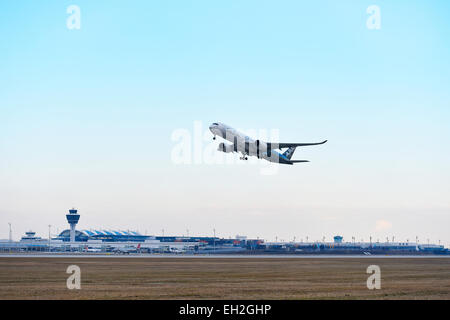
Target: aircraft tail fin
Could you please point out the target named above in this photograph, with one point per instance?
(289, 152)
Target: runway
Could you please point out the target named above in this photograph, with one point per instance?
(221, 256)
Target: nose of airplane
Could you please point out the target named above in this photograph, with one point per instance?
(214, 129)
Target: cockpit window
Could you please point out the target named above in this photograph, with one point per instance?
(215, 124)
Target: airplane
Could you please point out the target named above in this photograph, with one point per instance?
(128, 249)
(176, 250)
(90, 249)
(249, 147)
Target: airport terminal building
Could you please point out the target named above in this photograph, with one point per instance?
(101, 240)
(103, 235)
(115, 236)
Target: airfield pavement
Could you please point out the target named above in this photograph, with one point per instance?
(224, 278)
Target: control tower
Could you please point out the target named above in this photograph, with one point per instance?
(72, 219)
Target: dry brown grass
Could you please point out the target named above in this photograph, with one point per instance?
(218, 278)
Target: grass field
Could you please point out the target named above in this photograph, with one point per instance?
(219, 278)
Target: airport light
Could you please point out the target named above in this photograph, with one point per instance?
(214, 230)
(10, 232)
(49, 236)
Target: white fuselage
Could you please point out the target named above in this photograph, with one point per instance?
(246, 145)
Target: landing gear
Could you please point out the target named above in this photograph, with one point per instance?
(214, 138)
(243, 158)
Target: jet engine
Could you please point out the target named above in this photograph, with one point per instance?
(225, 147)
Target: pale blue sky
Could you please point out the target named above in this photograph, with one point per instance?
(86, 116)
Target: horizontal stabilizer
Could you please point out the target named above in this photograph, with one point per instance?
(294, 161)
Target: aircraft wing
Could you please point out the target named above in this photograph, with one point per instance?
(288, 145)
